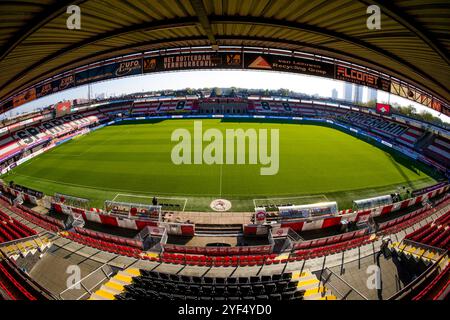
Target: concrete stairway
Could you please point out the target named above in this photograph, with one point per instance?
(115, 285)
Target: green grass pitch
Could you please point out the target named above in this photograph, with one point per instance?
(316, 163)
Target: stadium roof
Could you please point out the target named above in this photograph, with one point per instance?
(412, 45)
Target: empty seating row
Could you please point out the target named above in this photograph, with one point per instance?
(410, 137)
(331, 240)
(43, 221)
(11, 229)
(218, 251)
(107, 237)
(153, 285)
(12, 284)
(220, 261)
(304, 254)
(436, 233)
(436, 288)
(439, 149)
(103, 245)
(410, 219)
(287, 276)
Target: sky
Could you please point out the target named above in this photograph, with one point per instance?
(224, 78)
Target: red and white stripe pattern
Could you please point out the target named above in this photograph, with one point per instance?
(409, 138)
(51, 129)
(304, 225)
(183, 229)
(441, 148)
(25, 196)
(8, 146)
(154, 107)
(296, 224)
(282, 107)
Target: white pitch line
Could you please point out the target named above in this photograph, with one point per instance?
(106, 189)
(220, 181)
(299, 197)
(185, 200)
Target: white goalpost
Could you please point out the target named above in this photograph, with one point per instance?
(162, 200)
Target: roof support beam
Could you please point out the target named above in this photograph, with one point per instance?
(147, 26)
(193, 21)
(388, 8)
(328, 33)
(222, 40)
(200, 9)
(109, 53)
(38, 22)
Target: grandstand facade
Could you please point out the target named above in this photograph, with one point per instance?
(284, 242)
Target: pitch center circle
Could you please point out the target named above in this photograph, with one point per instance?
(220, 205)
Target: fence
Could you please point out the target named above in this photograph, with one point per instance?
(85, 287)
(339, 287)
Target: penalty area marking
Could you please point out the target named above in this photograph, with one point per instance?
(324, 197)
(185, 200)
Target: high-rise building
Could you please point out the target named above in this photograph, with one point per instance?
(372, 95)
(334, 93)
(348, 91)
(358, 94)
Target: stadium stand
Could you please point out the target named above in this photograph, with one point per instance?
(410, 137)
(15, 285)
(437, 287)
(136, 284)
(25, 247)
(36, 134)
(163, 106)
(405, 221)
(435, 234)
(43, 221)
(11, 229)
(106, 237)
(280, 107)
(104, 245)
(377, 124)
(439, 150)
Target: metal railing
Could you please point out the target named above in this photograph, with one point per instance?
(339, 287)
(83, 288)
(409, 290)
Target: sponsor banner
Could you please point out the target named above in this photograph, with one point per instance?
(8, 105)
(55, 86)
(128, 68)
(24, 97)
(193, 61)
(446, 110)
(418, 192)
(288, 64)
(362, 78)
(110, 71)
(29, 191)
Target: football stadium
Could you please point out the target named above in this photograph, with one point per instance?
(232, 194)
